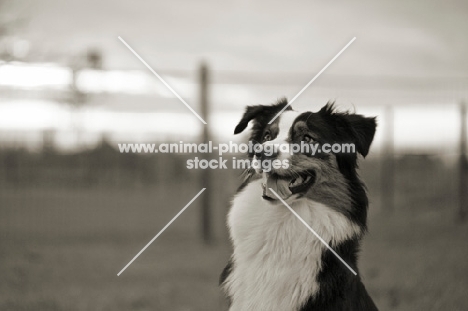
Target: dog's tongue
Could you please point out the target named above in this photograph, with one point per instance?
(280, 186)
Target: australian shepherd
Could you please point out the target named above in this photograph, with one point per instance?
(277, 263)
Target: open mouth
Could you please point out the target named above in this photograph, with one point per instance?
(285, 186)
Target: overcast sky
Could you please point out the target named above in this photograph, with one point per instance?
(290, 41)
(393, 37)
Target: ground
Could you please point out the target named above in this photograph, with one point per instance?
(61, 249)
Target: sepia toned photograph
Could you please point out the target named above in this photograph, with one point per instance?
(233, 156)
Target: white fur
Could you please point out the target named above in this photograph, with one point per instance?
(285, 123)
(276, 259)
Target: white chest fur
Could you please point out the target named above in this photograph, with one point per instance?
(276, 258)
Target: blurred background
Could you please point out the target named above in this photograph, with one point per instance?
(74, 210)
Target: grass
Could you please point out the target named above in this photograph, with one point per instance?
(61, 249)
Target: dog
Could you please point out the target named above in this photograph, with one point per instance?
(277, 263)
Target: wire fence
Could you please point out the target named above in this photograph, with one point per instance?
(396, 173)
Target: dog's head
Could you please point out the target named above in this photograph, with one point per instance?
(324, 172)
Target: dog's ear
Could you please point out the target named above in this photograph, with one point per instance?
(356, 128)
(363, 131)
(261, 114)
(251, 112)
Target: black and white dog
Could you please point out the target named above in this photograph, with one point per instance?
(277, 264)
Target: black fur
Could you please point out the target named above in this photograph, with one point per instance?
(342, 127)
(261, 114)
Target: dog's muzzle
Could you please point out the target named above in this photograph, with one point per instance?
(286, 186)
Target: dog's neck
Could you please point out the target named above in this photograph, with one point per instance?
(277, 260)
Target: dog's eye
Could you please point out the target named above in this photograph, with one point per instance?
(307, 138)
(267, 136)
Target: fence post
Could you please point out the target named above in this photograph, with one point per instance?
(387, 182)
(463, 166)
(206, 176)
